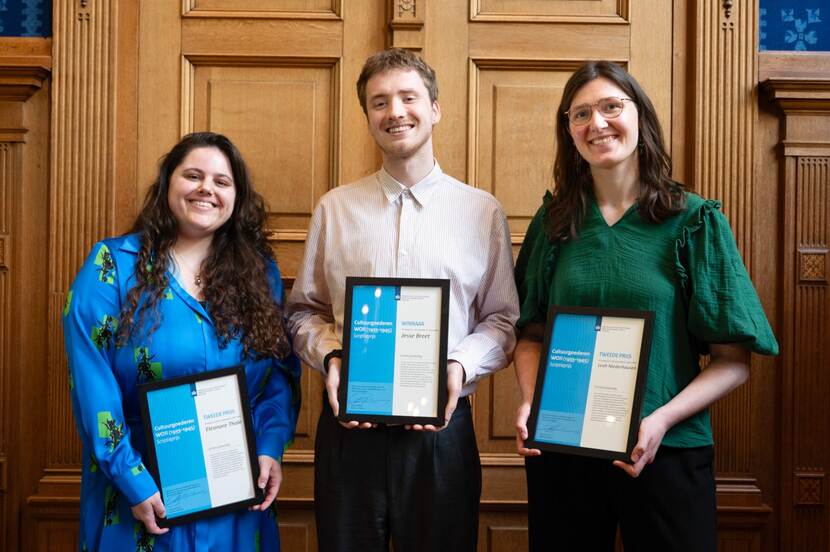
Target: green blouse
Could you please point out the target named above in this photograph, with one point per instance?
(686, 269)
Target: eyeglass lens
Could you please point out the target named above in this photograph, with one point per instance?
(608, 108)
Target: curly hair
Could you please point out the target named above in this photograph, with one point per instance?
(235, 284)
(660, 197)
(396, 58)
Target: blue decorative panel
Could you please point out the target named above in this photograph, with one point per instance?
(794, 25)
(25, 17)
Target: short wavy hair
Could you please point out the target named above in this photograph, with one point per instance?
(396, 58)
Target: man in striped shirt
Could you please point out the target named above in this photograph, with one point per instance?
(418, 486)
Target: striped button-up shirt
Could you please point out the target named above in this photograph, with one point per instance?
(438, 228)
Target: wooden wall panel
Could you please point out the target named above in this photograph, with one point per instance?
(599, 11)
(9, 174)
(282, 119)
(25, 67)
(512, 132)
(805, 454)
(82, 172)
(264, 8)
(725, 112)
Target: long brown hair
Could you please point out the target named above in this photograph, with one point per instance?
(660, 196)
(234, 275)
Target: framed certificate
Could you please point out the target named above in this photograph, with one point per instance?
(395, 351)
(590, 382)
(200, 445)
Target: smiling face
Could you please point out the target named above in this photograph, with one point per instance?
(201, 192)
(606, 143)
(400, 114)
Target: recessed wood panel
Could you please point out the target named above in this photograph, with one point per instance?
(258, 37)
(513, 138)
(281, 120)
(294, 536)
(266, 6)
(273, 123)
(504, 398)
(545, 42)
(548, 9)
(506, 538)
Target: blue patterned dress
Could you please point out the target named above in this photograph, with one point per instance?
(103, 379)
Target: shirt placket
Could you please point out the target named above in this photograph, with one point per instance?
(406, 233)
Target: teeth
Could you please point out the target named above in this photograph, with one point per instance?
(202, 203)
(397, 129)
(603, 140)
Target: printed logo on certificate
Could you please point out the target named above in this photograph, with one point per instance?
(590, 382)
(200, 445)
(395, 351)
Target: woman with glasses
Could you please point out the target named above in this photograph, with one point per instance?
(618, 232)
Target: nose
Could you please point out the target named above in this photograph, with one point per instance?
(205, 186)
(598, 122)
(396, 109)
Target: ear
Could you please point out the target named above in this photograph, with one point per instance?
(436, 112)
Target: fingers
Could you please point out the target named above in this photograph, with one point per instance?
(522, 449)
(273, 472)
(147, 511)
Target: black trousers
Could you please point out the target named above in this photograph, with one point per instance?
(576, 503)
(420, 490)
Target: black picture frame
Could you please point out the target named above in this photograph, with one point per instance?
(441, 365)
(151, 459)
(639, 387)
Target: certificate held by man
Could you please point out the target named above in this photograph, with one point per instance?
(590, 381)
(395, 351)
(201, 449)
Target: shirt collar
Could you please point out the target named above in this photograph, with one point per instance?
(422, 190)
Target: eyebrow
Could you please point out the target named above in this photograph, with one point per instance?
(397, 92)
(203, 172)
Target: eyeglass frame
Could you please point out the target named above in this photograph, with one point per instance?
(593, 106)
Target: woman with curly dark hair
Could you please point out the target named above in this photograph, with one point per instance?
(618, 232)
(194, 287)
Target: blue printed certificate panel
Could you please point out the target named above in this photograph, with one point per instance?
(589, 385)
(199, 441)
(394, 350)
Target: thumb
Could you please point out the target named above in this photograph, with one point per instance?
(158, 507)
(262, 480)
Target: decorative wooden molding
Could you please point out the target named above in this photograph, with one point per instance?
(812, 263)
(621, 17)
(406, 23)
(809, 488)
(81, 181)
(802, 92)
(4, 251)
(25, 65)
(799, 94)
(189, 10)
(723, 157)
(4, 474)
(727, 8)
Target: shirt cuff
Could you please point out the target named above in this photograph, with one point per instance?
(467, 365)
(272, 443)
(136, 484)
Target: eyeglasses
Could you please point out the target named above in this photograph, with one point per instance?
(609, 108)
